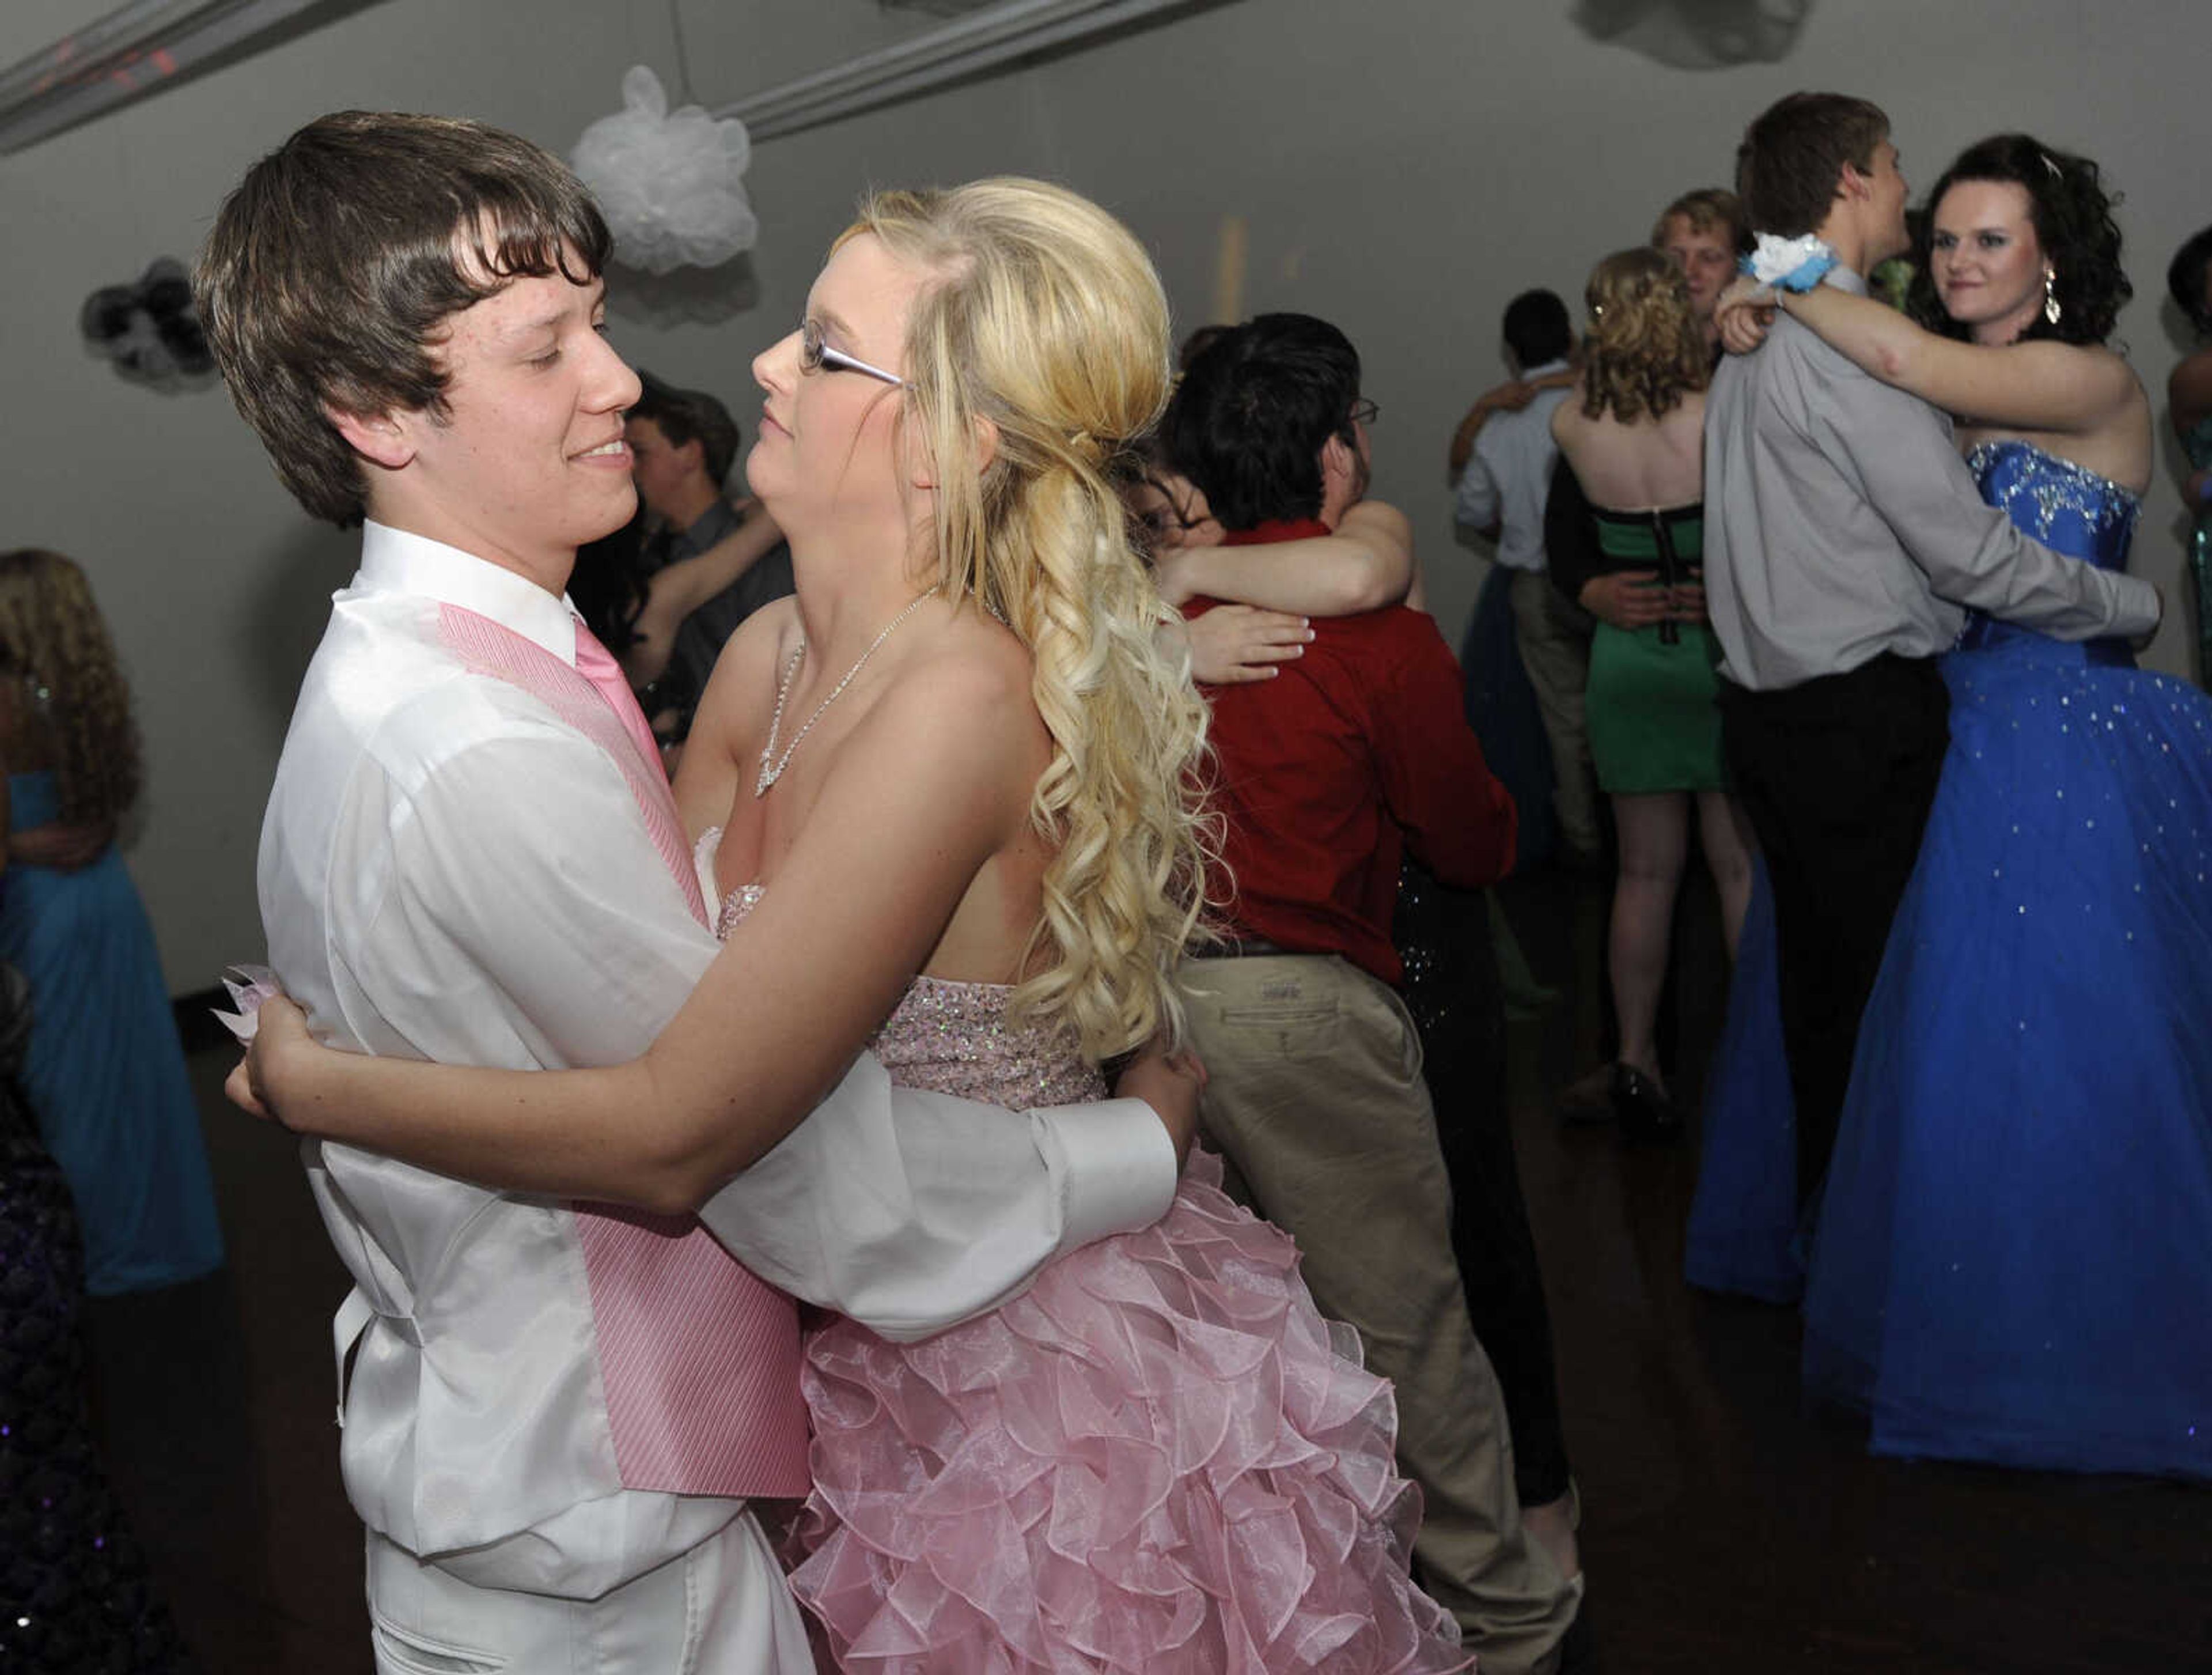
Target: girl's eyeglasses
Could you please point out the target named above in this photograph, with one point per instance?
(816, 356)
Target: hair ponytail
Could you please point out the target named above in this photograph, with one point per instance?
(1046, 333)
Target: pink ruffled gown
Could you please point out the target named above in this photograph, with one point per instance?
(1159, 1458)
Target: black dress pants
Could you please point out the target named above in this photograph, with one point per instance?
(1837, 776)
(1451, 987)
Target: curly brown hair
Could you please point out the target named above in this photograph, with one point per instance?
(1644, 351)
(55, 648)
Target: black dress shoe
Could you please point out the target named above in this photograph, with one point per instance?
(1588, 1098)
(1644, 1112)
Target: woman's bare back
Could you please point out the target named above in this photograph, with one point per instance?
(1635, 467)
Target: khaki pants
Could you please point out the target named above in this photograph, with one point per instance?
(1554, 638)
(1314, 1096)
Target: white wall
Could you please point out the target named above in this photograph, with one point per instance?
(1404, 166)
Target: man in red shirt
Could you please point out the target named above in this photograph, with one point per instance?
(1325, 776)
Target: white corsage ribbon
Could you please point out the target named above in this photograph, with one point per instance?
(1789, 265)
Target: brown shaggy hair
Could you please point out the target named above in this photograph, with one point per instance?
(1708, 210)
(1791, 161)
(332, 268)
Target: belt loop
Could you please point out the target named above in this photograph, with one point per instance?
(352, 1320)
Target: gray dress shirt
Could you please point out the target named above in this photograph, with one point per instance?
(1841, 523)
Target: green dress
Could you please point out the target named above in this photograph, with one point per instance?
(1654, 723)
(2197, 444)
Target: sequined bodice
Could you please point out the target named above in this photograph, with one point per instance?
(946, 1037)
(2071, 509)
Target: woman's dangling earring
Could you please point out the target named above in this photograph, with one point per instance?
(2050, 308)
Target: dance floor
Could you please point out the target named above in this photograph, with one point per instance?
(1725, 1530)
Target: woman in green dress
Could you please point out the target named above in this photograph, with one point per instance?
(2189, 404)
(1635, 439)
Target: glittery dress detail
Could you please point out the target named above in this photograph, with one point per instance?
(2013, 1256)
(74, 1594)
(1160, 1458)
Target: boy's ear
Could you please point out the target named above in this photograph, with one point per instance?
(380, 438)
(1339, 465)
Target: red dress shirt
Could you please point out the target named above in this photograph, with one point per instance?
(1328, 773)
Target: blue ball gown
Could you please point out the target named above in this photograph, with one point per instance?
(2012, 1257)
(106, 1073)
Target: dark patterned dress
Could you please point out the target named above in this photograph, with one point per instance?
(74, 1594)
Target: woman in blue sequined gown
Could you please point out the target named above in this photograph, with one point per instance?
(2012, 1252)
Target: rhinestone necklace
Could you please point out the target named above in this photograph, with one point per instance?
(771, 766)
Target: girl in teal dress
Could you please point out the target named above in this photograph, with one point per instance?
(105, 1073)
(1634, 439)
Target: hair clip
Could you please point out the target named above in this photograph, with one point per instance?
(2057, 172)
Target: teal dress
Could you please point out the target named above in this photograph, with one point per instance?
(1650, 706)
(2197, 444)
(105, 1073)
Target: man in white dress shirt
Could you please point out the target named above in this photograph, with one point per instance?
(555, 1413)
(1503, 454)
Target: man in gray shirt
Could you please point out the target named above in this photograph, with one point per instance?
(1843, 536)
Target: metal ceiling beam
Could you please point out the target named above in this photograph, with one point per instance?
(123, 56)
(969, 46)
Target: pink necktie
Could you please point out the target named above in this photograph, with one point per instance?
(596, 665)
(699, 1360)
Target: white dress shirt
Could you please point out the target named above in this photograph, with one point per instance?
(449, 873)
(1509, 475)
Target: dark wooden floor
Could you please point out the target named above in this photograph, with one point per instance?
(1723, 1529)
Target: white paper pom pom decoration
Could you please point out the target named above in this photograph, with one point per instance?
(671, 184)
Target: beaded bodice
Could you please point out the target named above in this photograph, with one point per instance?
(2071, 509)
(947, 1037)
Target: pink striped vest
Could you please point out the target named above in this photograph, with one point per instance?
(699, 1359)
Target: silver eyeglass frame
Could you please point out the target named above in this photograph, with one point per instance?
(816, 356)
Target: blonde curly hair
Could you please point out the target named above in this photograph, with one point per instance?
(1046, 318)
(1644, 351)
(70, 692)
